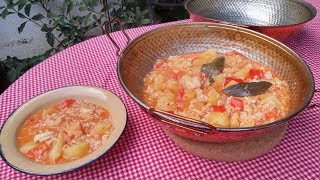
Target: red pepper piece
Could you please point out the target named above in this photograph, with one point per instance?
(237, 103)
(180, 95)
(177, 75)
(255, 72)
(159, 65)
(201, 76)
(69, 102)
(228, 79)
(219, 108)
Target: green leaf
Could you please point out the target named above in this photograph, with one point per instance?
(62, 8)
(55, 23)
(71, 4)
(145, 21)
(52, 15)
(20, 67)
(86, 20)
(50, 39)
(106, 8)
(12, 75)
(92, 3)
(129, 20)
(95, 17)
(10, 5)
(37, 17)
(20, 6)
(20, 2)
(4, 13)
(145, 12)
(21, 16)
(21, 27)
(27, 9)
(74, 23)
(130, 13)
(83, 8)
(34, 60)
(45, 28)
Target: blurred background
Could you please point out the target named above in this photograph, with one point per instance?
(33, 30)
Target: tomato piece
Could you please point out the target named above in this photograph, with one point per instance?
(201, 76)
(237, 103)
(219, 108)
(271, 114)
(159, 65)
(39, 152)
(69, 102)
(235, 53)
(180, 107)
(228, 79)
(33, 121)
(177, 75)
(255, 72)
(180, 95)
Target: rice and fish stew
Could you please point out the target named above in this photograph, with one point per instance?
(64, 132)
(223, 89)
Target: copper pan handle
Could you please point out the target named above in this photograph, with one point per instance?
(182, 122)
(315, 104)
(105, 31)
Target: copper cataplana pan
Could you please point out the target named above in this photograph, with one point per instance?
(280, 19)
(139, 56)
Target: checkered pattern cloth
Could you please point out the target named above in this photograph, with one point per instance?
(144, 151)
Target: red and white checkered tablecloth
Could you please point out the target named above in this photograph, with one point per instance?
(144, 151)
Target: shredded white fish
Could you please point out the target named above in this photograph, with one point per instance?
(41, 136)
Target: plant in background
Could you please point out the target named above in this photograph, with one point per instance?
(169, 12)
(66, 24)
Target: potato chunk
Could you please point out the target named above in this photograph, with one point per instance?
(234, 121)
(74, 129)
(243, 72)
(218, 119)
(173, 85)
(102, 127)
(218, 81)
(56, 150)
(230, 61)
(213, 97)
(232, 82)
(205, 58)
(166, 102)
(47, 112)
(160, 82)
(76, 151)
(247, 123)
(270, 98)
(188, 82)
(189, 95)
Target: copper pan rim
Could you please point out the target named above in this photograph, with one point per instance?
(310, 7)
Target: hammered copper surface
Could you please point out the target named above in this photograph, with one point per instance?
(254, 12)
(250, 148)
(138, 58)
(279, 19)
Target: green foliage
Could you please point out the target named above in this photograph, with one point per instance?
(14, 67)
(65, 26)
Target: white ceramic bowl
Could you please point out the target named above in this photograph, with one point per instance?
(11, 155)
